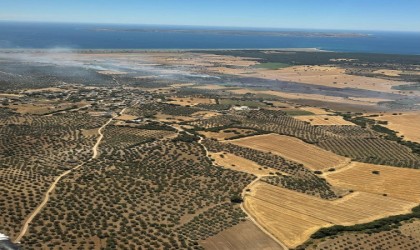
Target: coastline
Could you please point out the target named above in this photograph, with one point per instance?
(69, 50)
(163, 50)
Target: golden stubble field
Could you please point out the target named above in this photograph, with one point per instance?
(238, 163)
(327, 120)
(401, 183)
(294, 149)
(406, 124)
(292, 217)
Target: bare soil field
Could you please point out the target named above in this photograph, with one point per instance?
(406, 124)
(238, 163)
(244, 236)
(401, 183)
(292, 217)
(294, 149)
(324, 120)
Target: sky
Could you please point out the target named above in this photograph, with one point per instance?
(394, 15)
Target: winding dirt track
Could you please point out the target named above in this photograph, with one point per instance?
(243, 208)
(38, 209)
(253, 220)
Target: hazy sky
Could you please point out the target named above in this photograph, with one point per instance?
(402, 15)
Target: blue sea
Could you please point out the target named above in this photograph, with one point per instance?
(105, 36)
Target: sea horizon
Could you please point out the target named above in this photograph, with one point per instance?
(83, 36)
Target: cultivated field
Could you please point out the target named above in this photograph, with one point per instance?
(292, 217)
(401, 183)
(316, 111)
(190, 101)
(306, 96)
(294, 149)
(244, 236)
(163, 157)
(324, 120)
(228, 133)
(406, 124)
(238, 163)
(317, 75)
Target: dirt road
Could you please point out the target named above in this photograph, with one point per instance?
(38, 209)
(243, 195)
(252, 219)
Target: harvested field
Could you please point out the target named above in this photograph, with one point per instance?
(406, 124)
(204, 114)
(238, 163)
(388, 72)
(316, 111)
(324, 120)
(292, 217)
(317, 75)
(191, 101)
(244, 236)
(173, 118)
(294, 149)
(227, 133)
(126, 117)
(402, 183)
